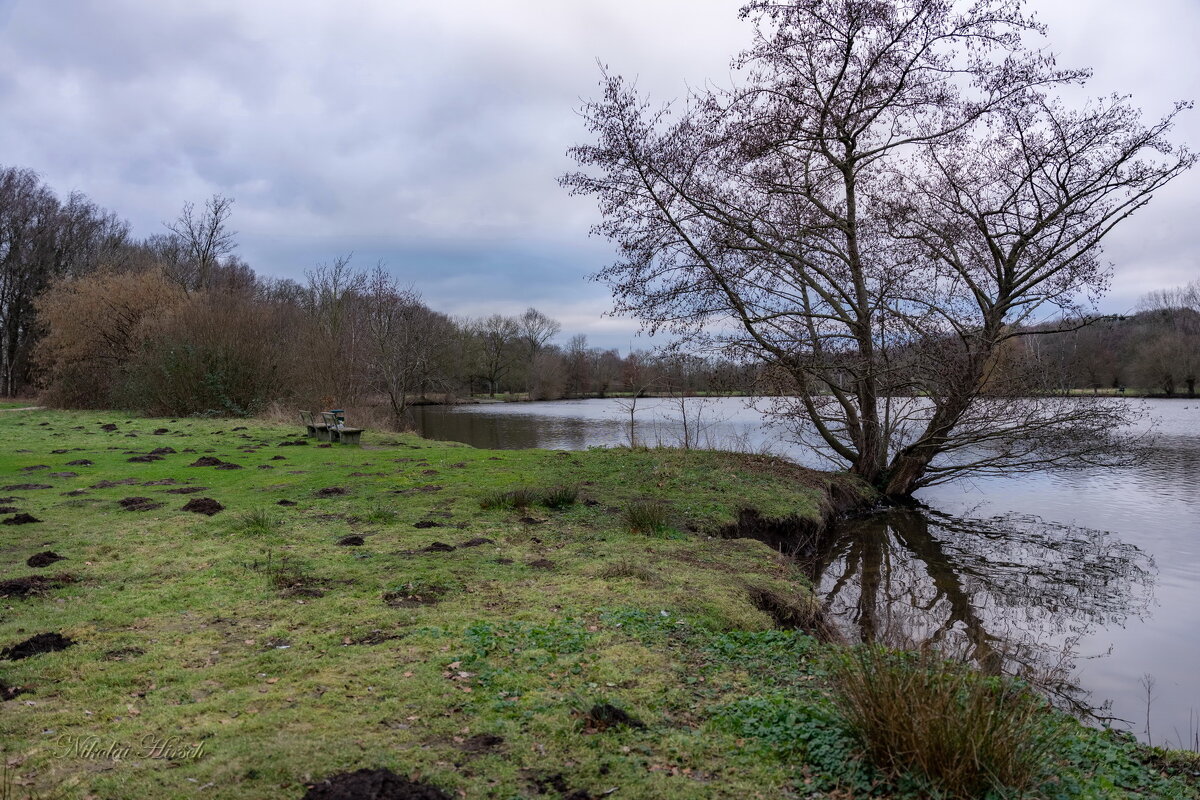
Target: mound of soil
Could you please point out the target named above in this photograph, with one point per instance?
(139, 504)
(477, 542)
(279, 458)
(603, 716)
(35, 468)
(9, 692)
(33, 585)
(425, 523)
(295, 443)
(44, 559)
(110, 484)
(541, 563)
(163, 451)
(108, 427)
(286, 503)
(21, 487)
(188, 490)
(163, 482)
(228, 465)
(332, 491)
(20, 519)
(372, 784)
(353, 540)
(265, 466)
(206, 461)
(530, 521)
(82, 462)
(64, 474)
(203, 505)
(161, 431)
(482, 743)
(437, 547)
(36, 645)
(144, 459)
(7, 509)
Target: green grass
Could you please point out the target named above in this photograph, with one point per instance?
(283, 657)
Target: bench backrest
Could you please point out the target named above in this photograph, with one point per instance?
(329, 418)
(306, 417)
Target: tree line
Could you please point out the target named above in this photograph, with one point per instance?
(178, 324)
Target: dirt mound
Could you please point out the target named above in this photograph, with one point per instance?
(477, 542)
(279, 458)
(437, 547)
(9, 692)
(162, 451)
(482, 743)
(35, 645)
(353, 540)
(296, 443)
(541, 563)
(425, 523)
(139, 504)
(64, 474)
(603, 716)
(144, 459)
(163, 482)
(33, 585)
(229, 465)
(203, 505)
(35, 468)
(332, 491)
(161, 431)
(110, 484)
(21, 487)
(188, 490)
(8, 509)
(43, 559)
(372, 784)
(82, 462)
(286, 503)
(20, 519)
(206, 461)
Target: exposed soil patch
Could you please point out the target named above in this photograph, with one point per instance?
(108, 427)
(228, 465)
(605, 716)
(64, 474)
(161, 431)
(35, 468)
(21, 487)
(110, 484)
(163, 482)
(372, 784)
(20, 519)
(296, 443)
(9, 692)
(187, 490)
(36, 645)
(279, 458)
(541, 563)
(124, 654)
(479, 541)
(82, 462)
(429, 472)
(353, 540)
(286, 503)
(31, 585)
(790, 613)
(265, 466)
(481, 743)
(206, 461)
(7, 509)
(332, 491)
(203, 505)
(426, 523)
(412, 596)
(530, 521)
(163, 451)
(139, 504)
(438, 547)
(43, 559)
(144, 459)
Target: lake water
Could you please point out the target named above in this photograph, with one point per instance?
(1087, 580)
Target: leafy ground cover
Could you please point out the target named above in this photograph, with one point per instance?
(216, 608)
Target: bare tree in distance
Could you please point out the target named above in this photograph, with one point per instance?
(876, 211)
(204, 238)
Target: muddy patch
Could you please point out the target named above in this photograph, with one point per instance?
(111, 484)
(32, 585)
(372, 784)
(331, 491)
(43, 559)
(139, 504)
(36, 645)
(20, 519)
(110, 427)
(203, 505)
(353, 540)
(427, 523)
(481, 743)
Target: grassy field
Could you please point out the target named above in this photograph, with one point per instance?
(359, 608)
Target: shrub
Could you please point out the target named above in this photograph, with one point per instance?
(646, 516)
(963, 732)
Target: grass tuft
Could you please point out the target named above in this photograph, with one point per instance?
(258, 522)
(965, 733)
(646, 516)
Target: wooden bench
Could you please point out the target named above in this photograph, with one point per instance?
(336, 431)
(313, 428)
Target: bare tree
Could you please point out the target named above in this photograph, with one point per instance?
(872, 212)
(496, 340)
(204, 238)
(536, 331)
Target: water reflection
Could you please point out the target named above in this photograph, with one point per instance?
(1012, 594)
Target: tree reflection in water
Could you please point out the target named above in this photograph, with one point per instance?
(1012, 594)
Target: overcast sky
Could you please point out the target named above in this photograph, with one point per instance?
(430, 134)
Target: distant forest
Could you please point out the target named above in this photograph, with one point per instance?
(177, 324)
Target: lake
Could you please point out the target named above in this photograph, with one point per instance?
(1086, 581)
